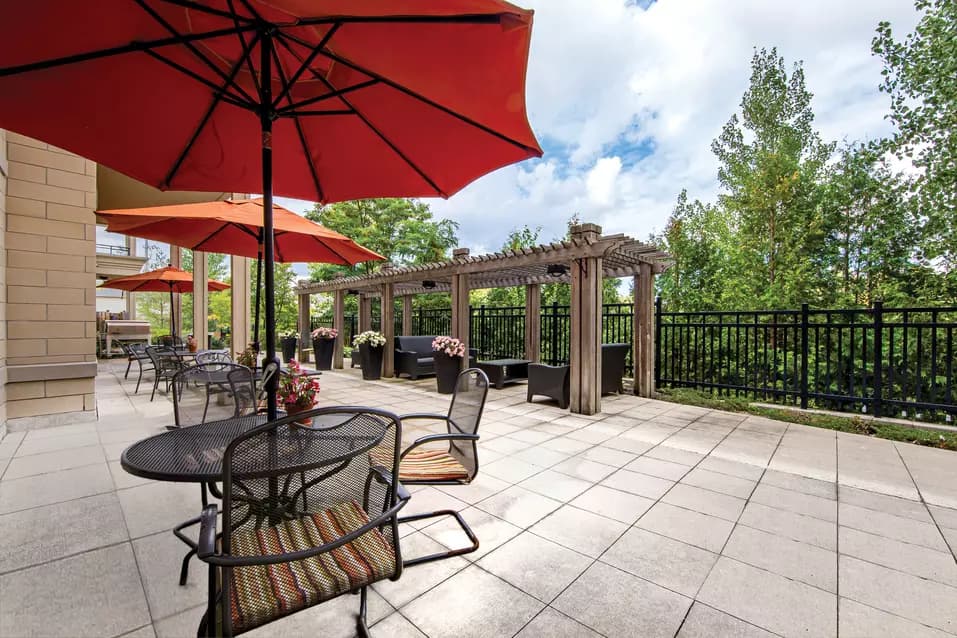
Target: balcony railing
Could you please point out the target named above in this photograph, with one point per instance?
(109, 249)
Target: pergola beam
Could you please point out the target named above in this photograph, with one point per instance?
(339, 323)
(533, 322)
(387, 328)
(304, 327)
(585, 347)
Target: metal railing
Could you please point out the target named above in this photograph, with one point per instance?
(110, 249)
(882, 361)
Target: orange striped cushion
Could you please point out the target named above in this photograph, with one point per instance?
(435, 465)
(260, 593)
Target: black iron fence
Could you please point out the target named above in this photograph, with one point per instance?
(499, 332)
(883, 361)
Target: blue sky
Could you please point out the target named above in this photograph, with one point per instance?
(627, 95)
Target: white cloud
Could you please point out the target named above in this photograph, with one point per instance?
(606, 76)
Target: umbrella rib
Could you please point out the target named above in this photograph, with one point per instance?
(335, 252)
(399, 87)
(328, 96)
(192, 48)
(133, 47)
(247, 50)
(202, 123)
(369, 124)
(221, 92)
(302, 136)
(189, 4)
(305, 65)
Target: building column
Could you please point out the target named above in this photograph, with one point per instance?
(643, 355)
(460, 312)
(387, 325)
(585, 350)
(200, 299)
(176, 260)
(339, 323)
(240, 304)
(533, 322)
(407, 315)
(130, 299)
(305, 340)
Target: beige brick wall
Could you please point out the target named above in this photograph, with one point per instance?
(48, 280)
(4, 169)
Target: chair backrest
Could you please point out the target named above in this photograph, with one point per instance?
(613, 365)
(242, 387)
(138, 350)
(419, 344)
(162, 357)
(213, 356)
(201, 393)
(465, 414)
(271, 370)
(321, 479)
(170, 341)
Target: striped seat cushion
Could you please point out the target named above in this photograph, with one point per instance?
(260, 593)
(425, 465)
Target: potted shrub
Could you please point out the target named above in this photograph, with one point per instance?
(324, 345)
(289, 341)
(248, 357)
(448, 354)
(297, 392)
(370, 345)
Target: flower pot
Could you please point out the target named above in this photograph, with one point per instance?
(323, 349)
(289, 348)
(293, 409)
(371, 361)
(446, 371)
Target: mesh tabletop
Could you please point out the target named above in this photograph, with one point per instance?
(191, 454)
(195, 453)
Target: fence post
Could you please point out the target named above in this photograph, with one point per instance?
(657, 342)
(554, 339)
(804, 354)
(482, 331)
(878, 357)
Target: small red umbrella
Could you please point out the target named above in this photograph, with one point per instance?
(169, 279)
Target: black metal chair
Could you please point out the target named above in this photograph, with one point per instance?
(136, 352)
(165, 366)
(170, 341)
(213, 356)
(308, 514)
(553, 381)
(458, 464)
(194, 386)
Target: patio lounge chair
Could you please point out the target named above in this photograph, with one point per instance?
(457, 465)
(552, 381)
(307, 516)
(136, 352)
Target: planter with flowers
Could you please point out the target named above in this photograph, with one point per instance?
(448, 354)
(248, 357)
(297, 392)
(324, 345)
(289, 341)
(370, 344)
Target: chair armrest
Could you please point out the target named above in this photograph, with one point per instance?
(423, 415)
(207, 533)
(438, 437)
(386, 477)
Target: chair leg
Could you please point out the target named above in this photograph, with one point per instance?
(128, 365)
(361, 626)
(442, 555)
(138, 379)
(155, 384)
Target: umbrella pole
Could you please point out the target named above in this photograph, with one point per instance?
(172, 315)
(259, 268)
(266, 118)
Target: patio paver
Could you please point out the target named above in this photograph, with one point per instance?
(650, 519)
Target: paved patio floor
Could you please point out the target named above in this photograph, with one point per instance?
(650, 519)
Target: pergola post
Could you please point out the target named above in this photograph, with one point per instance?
(176, 260)
(644, 332)
(585, 347)
(387, 325)
(339, 323)
(200, 299)
(533, 322)
(365, 312)
(305, 340)
(460, 305)
(240, 306)
(407, 315)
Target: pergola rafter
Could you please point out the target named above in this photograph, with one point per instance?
(573, 261)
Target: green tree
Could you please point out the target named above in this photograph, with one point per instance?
(401, 230)
(772, 161)
(287, 302)
(920, 75)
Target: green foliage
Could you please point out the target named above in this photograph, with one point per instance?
(287, 302)
(920, 75)
(401, 230)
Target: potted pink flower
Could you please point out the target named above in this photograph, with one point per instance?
(298, 392)
(447, 356)
(324, 345)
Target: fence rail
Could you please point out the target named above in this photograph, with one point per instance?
(883, 361)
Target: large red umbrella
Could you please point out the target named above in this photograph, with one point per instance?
(235, 227)
(169, 279)
(359, 99)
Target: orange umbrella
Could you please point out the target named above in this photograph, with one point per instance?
(162, 280)
(235, 227)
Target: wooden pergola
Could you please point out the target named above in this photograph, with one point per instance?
(583, 260)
